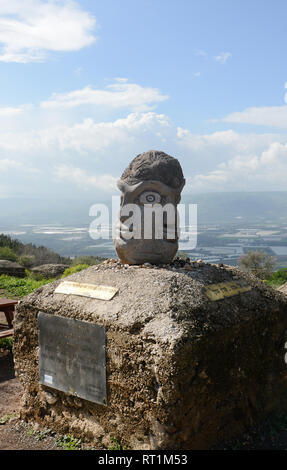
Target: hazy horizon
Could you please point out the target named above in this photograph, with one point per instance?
(227, 226)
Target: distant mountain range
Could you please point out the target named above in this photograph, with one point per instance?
(212, 208)
(245, 206)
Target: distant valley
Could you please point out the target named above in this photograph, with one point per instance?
(229, 224)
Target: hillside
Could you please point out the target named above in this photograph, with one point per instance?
(28, 254)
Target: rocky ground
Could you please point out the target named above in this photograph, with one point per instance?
(15, 434)
(283, 288)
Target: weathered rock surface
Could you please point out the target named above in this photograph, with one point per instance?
(11, 268)
(154, 165)
(183, 371)
(152, 182)
(50, 270)
(283, 288)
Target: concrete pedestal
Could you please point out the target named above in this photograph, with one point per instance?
(193, 356)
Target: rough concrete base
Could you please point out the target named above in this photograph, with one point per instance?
(283, 288)
(183, 372)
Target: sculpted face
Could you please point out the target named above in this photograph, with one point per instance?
(147, 226)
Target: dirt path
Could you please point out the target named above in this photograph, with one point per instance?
(10, 388)
(14, 433)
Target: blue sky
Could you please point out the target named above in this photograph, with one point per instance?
(87, 85)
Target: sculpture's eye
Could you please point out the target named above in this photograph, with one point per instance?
(150, 197)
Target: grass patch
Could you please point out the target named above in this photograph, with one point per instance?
(6, 343)
(19, 287)
(74, 269)
(69, 442)
(5, 418)
(7, 253)
(116, 445)
(41, 435)
(278, 278)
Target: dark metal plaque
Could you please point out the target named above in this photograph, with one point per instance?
(72, 357)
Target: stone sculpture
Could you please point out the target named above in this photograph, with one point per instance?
(147, 230)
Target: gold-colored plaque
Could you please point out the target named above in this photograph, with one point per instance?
(226, 289)
(86, 290)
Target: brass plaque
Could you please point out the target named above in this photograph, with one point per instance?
(86, 290)
(226, 289)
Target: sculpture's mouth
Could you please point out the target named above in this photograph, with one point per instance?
(165, 235)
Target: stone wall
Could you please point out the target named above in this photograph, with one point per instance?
(11, 268)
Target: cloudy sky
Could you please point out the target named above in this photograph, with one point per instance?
(87, 85)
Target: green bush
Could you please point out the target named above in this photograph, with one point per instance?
(258, 263)
(41, 254)
(182, 255)
(6, 343)
(27, 260)
(277, 278)
(19, 287)
(74, 269)
(8, 254)
(90, 260)
(7, 241)
(116, 445)
(69, 442)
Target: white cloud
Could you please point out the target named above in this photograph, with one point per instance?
(84, 179)
(10, 111)
(121, 79)
(209, 150)
(88, 152)
(30, 29)
(194, 141)
(271, 116)
(276, 154)
(89, 136)
(115, 96)
(231, 161)
(223, 57)
(267, 170)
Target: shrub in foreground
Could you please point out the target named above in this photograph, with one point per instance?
(74, 269)
(19, 287)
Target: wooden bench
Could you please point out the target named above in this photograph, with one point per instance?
(7, 306)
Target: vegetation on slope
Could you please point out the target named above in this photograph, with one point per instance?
(19, 287)
(278, 278)
(28, 255)
(31, 256)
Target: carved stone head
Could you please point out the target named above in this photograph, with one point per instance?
(147, 229)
